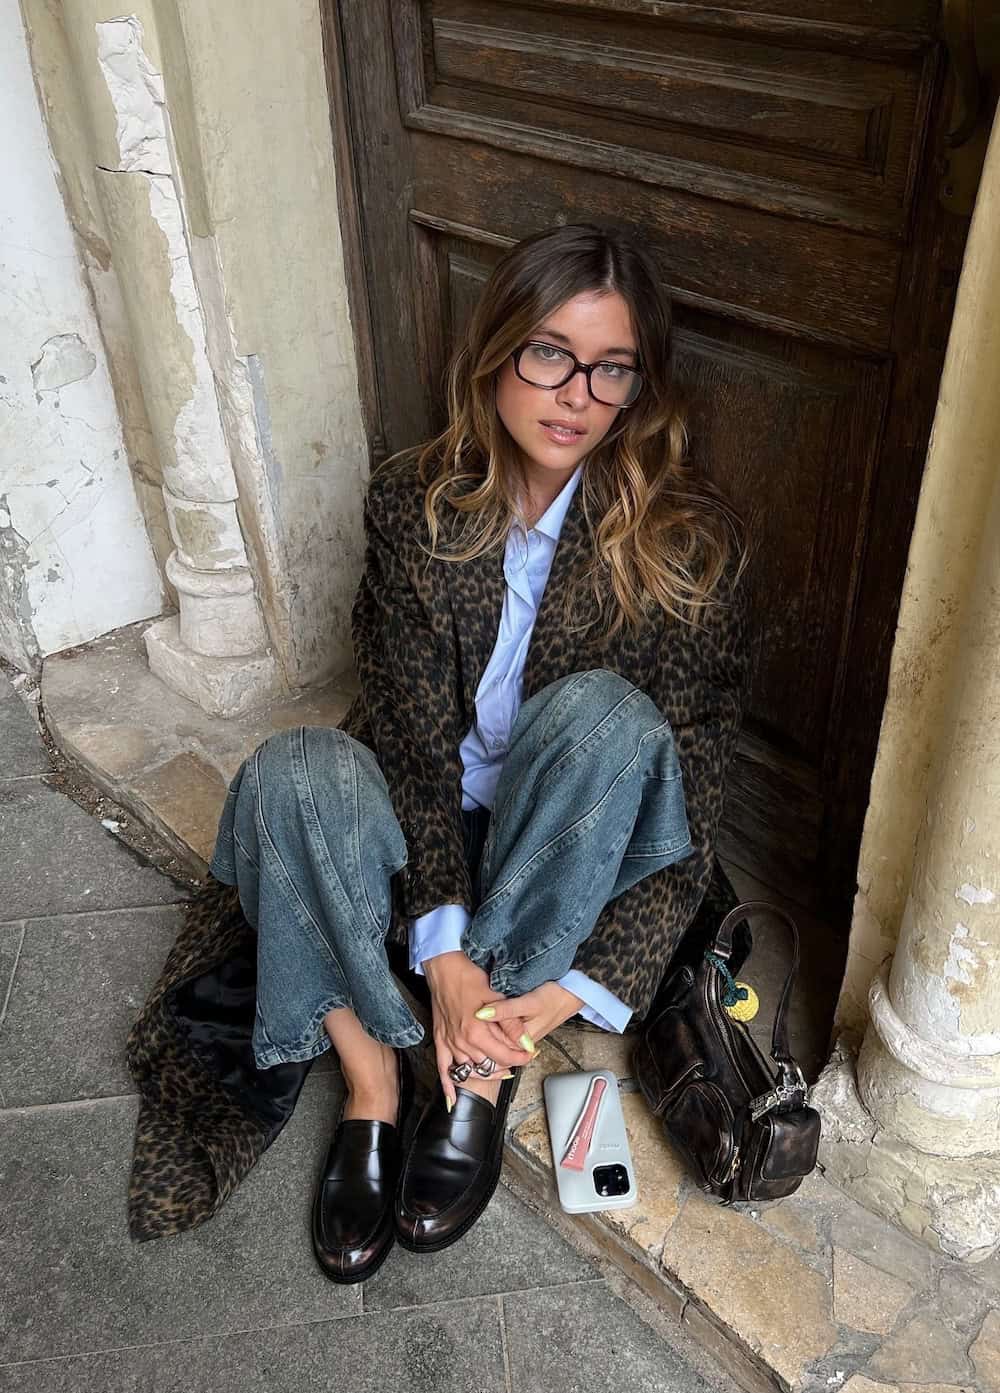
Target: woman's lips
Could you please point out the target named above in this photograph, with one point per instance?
(562, 435)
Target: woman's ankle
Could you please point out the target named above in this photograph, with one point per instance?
(372, 1086)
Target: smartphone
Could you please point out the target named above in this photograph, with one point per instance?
(590, 1150)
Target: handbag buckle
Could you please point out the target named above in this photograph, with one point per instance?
(790, 1087)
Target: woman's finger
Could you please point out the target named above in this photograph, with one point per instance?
(512, 1031)
(509, 1008)
(444, 1060)
(480, 1044)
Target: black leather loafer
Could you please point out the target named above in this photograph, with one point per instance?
(352, 1228)
(452, 1167)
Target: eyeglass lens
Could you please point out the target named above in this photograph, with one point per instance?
(611, 383)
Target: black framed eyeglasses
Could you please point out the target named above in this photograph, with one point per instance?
(542, 365)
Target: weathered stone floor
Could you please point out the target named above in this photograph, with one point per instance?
(810, 1294)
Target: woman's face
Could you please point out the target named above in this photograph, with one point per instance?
(595, 326)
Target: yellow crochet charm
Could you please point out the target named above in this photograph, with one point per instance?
(746, 1009)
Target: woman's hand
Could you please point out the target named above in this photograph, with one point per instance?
(458, 989)
(534, 1014)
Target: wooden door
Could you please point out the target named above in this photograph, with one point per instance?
(782, 168)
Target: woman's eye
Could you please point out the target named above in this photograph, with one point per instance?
(546, 352)
(612, 370)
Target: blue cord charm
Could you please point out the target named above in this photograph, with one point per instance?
(734, 991)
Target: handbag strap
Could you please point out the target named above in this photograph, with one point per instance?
(723, 946)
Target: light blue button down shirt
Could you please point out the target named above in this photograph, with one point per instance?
(526, 566)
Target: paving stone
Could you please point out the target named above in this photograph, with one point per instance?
(748, 1373)
(117, 750)
(962, 1298)
(184, 797)
(790, 1220)
(865, 1298)
(582, 1338)
(985, 1353)
(529, 1090)
(878, 1243)
(659, 1181)
(598, 1049)
(532, 1137)
(57, 859)
(71, 1280)
(758, 1287)
(10, 947)
(89, 974)
(21, 750)
(453, 1348)
(508, 1249)
(925, 1350)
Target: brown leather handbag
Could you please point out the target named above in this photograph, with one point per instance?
(745, 1128)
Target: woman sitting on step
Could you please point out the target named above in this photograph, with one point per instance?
(549, 635)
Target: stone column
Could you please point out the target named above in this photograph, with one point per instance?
(216, 650)
(919, 1138)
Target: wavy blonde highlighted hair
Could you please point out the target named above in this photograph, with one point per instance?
(663, 536)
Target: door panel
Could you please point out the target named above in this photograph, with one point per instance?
(777, 166)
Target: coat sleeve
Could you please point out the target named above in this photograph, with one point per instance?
(410, 706)
(700, 686)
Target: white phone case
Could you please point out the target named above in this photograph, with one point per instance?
(607, 1166)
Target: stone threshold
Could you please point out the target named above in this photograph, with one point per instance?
(812, 1293)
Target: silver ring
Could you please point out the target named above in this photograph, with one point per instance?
(458, 1073)
(485, 1067)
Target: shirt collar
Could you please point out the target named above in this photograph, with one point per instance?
(550, 524)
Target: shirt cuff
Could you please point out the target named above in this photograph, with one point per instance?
(600, 1007)
(439, 931)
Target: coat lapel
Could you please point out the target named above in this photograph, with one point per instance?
(552, 651)
(476, 589)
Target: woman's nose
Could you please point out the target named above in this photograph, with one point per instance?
(574, 393)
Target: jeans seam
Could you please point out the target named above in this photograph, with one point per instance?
(549, 947)
(504, 890)
(629, 696)
(290, 882)
(380, 929)
(246, 853)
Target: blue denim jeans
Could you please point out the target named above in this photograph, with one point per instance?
(590, 800)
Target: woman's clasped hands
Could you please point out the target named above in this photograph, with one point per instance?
(473, 1022)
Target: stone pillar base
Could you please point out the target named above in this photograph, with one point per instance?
(220, 686)
(950, 1203)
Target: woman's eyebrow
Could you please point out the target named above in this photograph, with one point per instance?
(555, 334)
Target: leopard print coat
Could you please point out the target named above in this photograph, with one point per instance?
(423, 634)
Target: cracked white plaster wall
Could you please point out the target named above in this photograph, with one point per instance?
(137, 94)
(198, 467)
(77, 559)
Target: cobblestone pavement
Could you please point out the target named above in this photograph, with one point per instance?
(84, 924)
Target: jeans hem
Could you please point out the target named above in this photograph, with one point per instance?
(300, 1054)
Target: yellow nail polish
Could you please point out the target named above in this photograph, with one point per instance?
(486, 1013)
(527, 1043)
(449, 1104)
(507, 1076)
